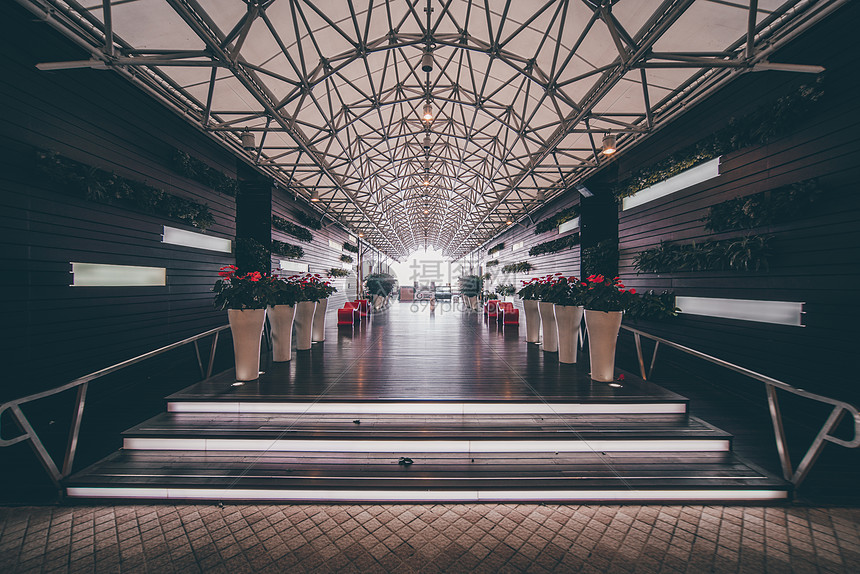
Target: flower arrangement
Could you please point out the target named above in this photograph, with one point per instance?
(346, 258)
(281, 291)
(234, 291)
(337, 272)
(531, 290)
(605, 294)
(555, 288)
(506, 290)
(313, 286)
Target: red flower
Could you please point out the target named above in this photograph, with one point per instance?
(255, 276)
(620, 376)
(599, 278)
(633, 291)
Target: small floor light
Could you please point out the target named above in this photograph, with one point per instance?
(247, 140)
(609, 144)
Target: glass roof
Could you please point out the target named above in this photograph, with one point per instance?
(521, 92)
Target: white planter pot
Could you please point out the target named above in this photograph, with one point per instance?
(247, 328)
(532, 320)
(304, 324)
(318, 331)
(378, 301)
(568, 318)
(603, 327)
(550, 331)
(471, 302)
(281, 319)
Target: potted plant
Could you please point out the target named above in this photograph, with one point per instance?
(567, 295)
(605, 300)
(379, 286)
(244, 298)
(323, 290)
(547, 313)
(530, 293)
(506, 290)
(470, 287)
(283, 294)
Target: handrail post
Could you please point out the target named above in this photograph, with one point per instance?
(212, 354)
(199, 360)
(36, 444)
(779, 432)
(817, 445)
(653, 359)
(72, 445)
(639, 356)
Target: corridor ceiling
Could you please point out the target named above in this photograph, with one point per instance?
(522, 92)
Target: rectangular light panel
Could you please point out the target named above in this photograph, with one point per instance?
(287, 265)
(335, 245)
(776, 312)
(186, 238)
(704, 172)
(103, 275)
(569, 225)
(517, 245)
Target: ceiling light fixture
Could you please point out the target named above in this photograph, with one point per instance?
(315, 196)
(583, 191)
(541, 195)
(427, 61)
(247, 139)
(428, 112)
(427, 141)
(609, 144)
(509, 222)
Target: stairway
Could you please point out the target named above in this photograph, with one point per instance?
(217, 448)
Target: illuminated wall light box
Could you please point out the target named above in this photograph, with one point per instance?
(704, 172)
(287, 265)
(102, 275)
(517, 245)
(185, 238)
(776, 312)
(569, 225)
(335, 245)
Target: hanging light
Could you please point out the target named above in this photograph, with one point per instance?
(509, 222)
(428, 112)
(608, 144)
(315, 196)
(427, 61)
(361, 234)
(427, 142)
(541, 195)
(247, 139)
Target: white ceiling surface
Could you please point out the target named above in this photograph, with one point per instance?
(343, 98)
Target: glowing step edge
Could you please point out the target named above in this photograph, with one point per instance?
(740, 495)
(415, 446)
(411, 408)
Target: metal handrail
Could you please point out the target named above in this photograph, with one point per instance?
(82, 383)
(840, 408)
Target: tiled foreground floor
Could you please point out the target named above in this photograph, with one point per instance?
(428, 538)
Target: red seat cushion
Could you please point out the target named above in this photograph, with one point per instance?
(346, 316)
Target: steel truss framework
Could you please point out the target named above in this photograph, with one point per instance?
(521, 92)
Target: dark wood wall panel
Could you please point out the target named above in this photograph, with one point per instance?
(816, 259)
(99, 119)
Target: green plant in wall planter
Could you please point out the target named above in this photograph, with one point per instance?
(521, 267)
(335, 272)
(346, 258)
(763, 125)
(776, 206)
(740, 254)
(601, 258)
(507, 290)
(491, 263)
(495, 248)
(101, 186)
(287, 249)
(350, 247)
(555, 245)
(193, 168)
(291, 228)
(251, 255)
(553, 221)
(308, 221)
(650, 306)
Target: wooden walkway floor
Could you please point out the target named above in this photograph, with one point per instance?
(408, 354)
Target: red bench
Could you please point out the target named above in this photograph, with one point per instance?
(510, 315)
(491, 309)
(363, 306)
(348, 314)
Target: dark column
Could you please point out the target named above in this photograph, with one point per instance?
(253, 221)
(599, 228)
